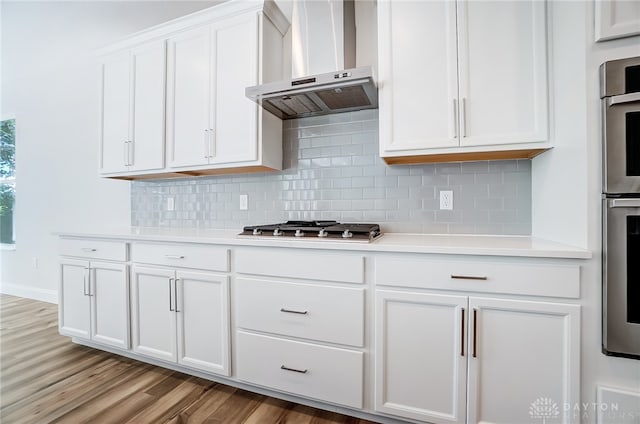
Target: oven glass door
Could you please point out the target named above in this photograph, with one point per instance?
(621, 291)
(622, 144)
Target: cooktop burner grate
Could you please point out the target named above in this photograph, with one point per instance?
(315, 230)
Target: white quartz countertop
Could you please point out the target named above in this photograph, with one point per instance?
(488, 245)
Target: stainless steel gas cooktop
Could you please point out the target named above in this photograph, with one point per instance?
(315, 230)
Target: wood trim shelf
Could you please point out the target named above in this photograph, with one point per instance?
(464, 156)
(194, 173)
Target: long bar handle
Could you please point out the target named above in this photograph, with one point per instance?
(624, 203)
(89, 249)
(468, 277)
(174, 256)
(126, 152)
(170, 300)
(462, 334)
(175, 293)
(463, 128)
(624, 98)
(283, 367)
(291, 311)
(131, 152)
(475, 331)
(212, 143)
(85, 278)
(455, 118)
(206, 143)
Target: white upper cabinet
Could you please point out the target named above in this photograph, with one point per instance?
(133, 86)
(203, 62)
(502, 72)
(418, 74)
(189, 97)
(616, 19)
(210, 120)
(462, 80)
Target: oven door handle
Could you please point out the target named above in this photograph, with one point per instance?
(624, 203)
(624, 98)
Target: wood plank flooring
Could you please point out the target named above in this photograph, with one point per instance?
(45, 378)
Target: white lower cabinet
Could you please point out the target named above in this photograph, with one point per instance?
(181, 316)
(455, 359)
(94, 301)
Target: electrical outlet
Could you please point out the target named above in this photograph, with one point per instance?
(34, 262)
(244, 202)
(171, 204)
(446, 200)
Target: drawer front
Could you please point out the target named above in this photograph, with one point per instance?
(324, 373)
(313, 265)
(93, 249)
(323, 313)
(480, 275)
(196, 256)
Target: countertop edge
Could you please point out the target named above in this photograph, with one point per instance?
(389, 243)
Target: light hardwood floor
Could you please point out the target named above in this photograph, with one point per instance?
(45, 378)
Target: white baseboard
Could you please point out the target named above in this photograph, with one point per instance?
(45, 295)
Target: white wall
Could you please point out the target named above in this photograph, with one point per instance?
(566, 181)
(50, 83)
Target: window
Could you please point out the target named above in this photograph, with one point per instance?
(7, 180)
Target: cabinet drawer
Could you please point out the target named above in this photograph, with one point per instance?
(329, 314)
(196, 256)
(94, 249)
(313, 265)
(325, 373)
(480, 275)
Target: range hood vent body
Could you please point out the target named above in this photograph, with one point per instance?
(323, 43)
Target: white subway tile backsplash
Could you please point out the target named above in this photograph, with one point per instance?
(333, 171)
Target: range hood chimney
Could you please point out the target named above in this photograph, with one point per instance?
(323, 44)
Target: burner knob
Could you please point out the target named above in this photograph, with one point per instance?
(277, 232)
(323, 233)
(257, 231)
(299, 233)
(347, 234)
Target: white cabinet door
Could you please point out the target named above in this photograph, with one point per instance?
(147, 120)
(74, 308)
(202, 307)
(418, 85)
(115, 113)
(616, 19)
(525, 353)
(153, 319)
(421, 360)
(109, 293)
(189, 93)
(503, 83)
(235, 134)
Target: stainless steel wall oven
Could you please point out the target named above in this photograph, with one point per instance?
(620, 93)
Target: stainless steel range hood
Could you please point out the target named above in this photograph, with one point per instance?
(323, 43)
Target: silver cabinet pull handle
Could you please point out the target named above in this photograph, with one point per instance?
(475, 331)
(462, 335)
(291, 311)
(283, 367)
(85, 279)
(130, 150)
(126, 153)
(212, 143)
(89, 249)
(206, 143)
(455, 118)
(170, 300)
(174, 256)
(463, 130)
(175, 294)
(468, 277)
